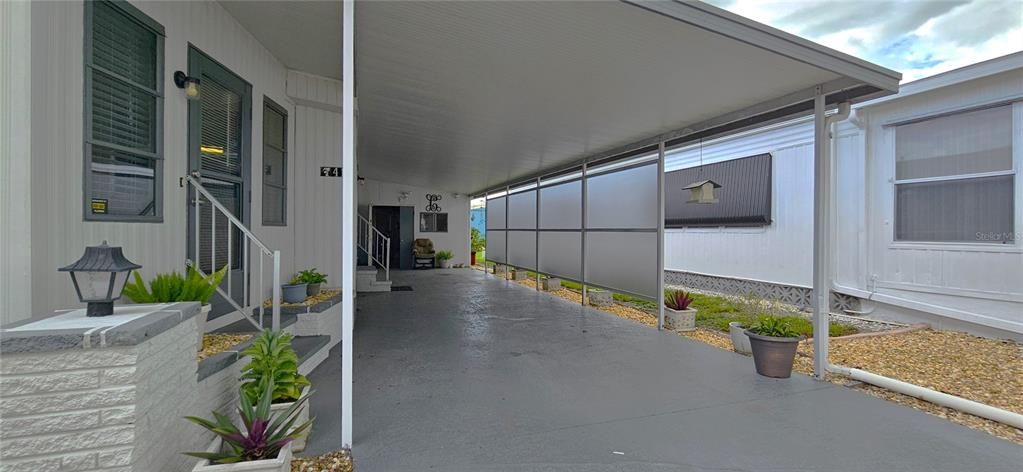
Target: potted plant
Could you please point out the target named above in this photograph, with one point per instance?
(294, 291)
(677, 314)
(313, 280)
(262, 443)
(274, 362)
(478, 244)
(774, 343)
(172, 287)
(444, 259)
(740, 342)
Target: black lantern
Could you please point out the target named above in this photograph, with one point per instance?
(99, 277)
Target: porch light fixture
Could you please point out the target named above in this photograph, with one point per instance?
(190, 84)
(99, 277)
(702, 191)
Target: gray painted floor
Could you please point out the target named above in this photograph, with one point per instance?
(472, 373)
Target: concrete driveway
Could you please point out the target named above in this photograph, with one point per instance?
(468, 372)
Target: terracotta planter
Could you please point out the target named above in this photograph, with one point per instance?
(772, 356)
(281, 463)
(472, 258)
(680, 320)
(740, 342)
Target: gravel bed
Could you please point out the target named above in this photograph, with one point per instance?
(215, 343)
(336, 461)
(323, 296)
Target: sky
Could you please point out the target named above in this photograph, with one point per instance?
(919, 38)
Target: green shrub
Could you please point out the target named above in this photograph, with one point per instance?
(477, 242)
(309, 276)
(273, 361)
(172, 287)
(445, 255)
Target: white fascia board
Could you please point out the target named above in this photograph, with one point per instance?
(742, 29)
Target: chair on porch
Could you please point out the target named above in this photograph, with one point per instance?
(423, 255)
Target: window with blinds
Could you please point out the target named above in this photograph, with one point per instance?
(123, 110)
(955, 178)
(275, 164)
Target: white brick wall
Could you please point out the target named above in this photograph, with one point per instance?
(110, 409)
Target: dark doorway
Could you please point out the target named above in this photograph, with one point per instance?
(396, 222)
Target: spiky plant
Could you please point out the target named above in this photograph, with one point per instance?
(677, 299)
(274, 362)
(262, 435)
(774, 327)
(172, 287)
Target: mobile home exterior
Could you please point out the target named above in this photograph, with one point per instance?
(928, 207)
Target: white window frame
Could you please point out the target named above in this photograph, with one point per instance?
(1017, 164)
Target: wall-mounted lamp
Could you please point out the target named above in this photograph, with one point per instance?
(190, 84)
(402, 196)
(361, 180)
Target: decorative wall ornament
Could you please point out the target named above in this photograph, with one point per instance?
(433, 198)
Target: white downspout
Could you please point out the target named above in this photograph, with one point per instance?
(933, 396)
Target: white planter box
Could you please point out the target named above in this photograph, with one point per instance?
(680, 320)
(551, 284)
(519, 274)
(282, 463)
(740, 342)
(444, 264)
(598, 297)
(204, 313)
(297, 445)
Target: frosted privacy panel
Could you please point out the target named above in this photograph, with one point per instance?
(522, 210)
(561, 253)
(623, 199)
(495, 213)
(522, 249)
(623, 260)
(495, 245)
(561, 206)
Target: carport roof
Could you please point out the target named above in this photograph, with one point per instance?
(465, 96)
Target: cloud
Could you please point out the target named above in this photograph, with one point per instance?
(918, 38)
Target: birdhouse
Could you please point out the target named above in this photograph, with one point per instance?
(702, 191)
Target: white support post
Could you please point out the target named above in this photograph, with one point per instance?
(507, 232)
(536, 258)
(660, 235)
(821, 235)
(582, 238)
(348, 214)
(275, 323)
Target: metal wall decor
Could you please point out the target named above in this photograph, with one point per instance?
(433, 198)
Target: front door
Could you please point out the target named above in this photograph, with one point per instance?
(396, 223)
(219, 149)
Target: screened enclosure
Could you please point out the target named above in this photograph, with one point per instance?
(596, 224)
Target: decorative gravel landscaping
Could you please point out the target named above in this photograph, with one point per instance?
(984, 370)
(324, 295)
(336, 461)
(214, 343)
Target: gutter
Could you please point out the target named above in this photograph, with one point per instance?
(949, 401)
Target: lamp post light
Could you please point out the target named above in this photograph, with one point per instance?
(99, 277)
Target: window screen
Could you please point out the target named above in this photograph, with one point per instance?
(744, 198)
(433, 222)
(275, 164)
(123, 107)
(955, 178)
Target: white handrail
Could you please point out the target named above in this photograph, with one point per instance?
(246, 306)
(376, 246)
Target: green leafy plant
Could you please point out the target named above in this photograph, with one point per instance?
(310, 276)
(477, 241)
(274, 362)
(445, 255)
(774, 327)
(172, 287)
(261, 436)
(677, 299)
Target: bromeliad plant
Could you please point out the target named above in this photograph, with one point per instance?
(274, 362)
(310, 276)
(774, 327)
(172, 287)
(262, 435)
(677, 299)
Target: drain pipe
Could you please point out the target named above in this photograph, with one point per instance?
(950, 401)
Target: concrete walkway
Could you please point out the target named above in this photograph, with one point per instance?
(468, 372)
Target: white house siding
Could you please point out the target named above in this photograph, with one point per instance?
(977, 287)
(778, 253)
(59, 232)
(456, 240)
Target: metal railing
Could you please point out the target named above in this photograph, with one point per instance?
(245, 306)
(376, 246)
